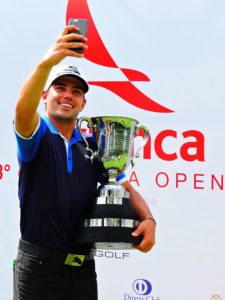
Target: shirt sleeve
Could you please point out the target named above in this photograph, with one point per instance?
(27, 147)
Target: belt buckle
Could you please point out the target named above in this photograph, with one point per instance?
(75, 260)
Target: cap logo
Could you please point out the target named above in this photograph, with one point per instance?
(75, 70)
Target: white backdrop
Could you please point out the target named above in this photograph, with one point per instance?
(180, 46)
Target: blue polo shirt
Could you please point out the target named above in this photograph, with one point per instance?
(57, 185)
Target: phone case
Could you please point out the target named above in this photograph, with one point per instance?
(82, 24)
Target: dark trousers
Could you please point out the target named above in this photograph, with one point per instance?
(41, 279)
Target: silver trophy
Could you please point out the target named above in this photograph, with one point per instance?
(112, 219)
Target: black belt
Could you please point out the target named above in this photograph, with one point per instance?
(71, 259)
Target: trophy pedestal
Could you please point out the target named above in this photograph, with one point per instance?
(112, 220)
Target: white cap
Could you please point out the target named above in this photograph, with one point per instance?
(72, 71)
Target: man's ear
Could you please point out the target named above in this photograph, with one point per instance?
(44, 96)
(83, 104)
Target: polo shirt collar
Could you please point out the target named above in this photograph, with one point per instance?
(75, 137)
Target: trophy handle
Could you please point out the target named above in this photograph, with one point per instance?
(87, 148)
(145, 139)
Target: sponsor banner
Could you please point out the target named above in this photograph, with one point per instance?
(162, 64)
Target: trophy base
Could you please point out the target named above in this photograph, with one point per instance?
(110, 222)
(108, 238)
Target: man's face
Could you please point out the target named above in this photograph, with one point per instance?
(64, 99)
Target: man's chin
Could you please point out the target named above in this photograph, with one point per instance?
(64, 119)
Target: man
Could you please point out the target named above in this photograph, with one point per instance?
(57, 183)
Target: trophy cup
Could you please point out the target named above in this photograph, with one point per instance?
(110, 223)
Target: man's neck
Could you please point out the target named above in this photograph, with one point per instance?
(65, 128)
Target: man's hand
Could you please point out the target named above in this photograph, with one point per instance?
(145, 228)
(63, 45)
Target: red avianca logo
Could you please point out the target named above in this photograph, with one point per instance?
(97, 53)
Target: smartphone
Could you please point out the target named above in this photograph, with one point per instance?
(82, 24)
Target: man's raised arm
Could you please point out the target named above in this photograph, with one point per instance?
(26, 116)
